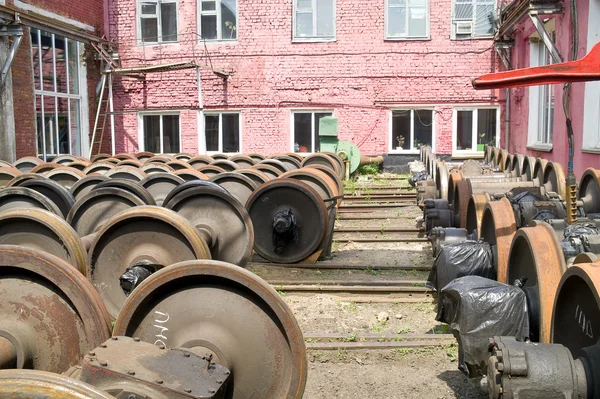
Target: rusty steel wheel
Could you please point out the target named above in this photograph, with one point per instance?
(112, 160)
(35, 384)
(190, 174)
(45, 167)
(219, 156)
(242, 161)
(162, 158)
(475, 209)
(536, 255)
(98, 167)
(183, 156)
(144, 156)
(86, 185)
(51, 315)
(317, 179)
(5, 164)
(200, 160)
(56, 193)
(66, 159)
(554, 179)
(441, 180)
(155, 167)
(226, 165)
(126, 172)
(99, 157)
(65, 176)
(341, 165)
(497, 156)
(133, 187)
(517, 167)
(321, 159)
(41, 230)
(268, 170)
(7, 174)
(222, 221)
(585, 257)
(24, 198)
(299, 157)
(454, 177)
(79, 165)
(331, 173)
(143, 237)
(498, 227)
(257, 157)
(160, 184)
(210, 170)
(19, 179)
(589, 191)
(238, 185)
(528, 168)
(124, 156)
(255, 175)
(94, 209)
(289, 218)
(538, 171)
(290, 162)
(134, 163)
(460, 203)
(192, 184)
(178, 165)
(226, 311)
(507, 160)
(576, 313)
(25, 164)
(276, 164)
(486, 159)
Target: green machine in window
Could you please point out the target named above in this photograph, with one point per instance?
(329, 142)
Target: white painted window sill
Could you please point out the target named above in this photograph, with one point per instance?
(591, 150)
(468, 155)
(403, 152)
(313, 39)
(215, 42)
(403, 39)
(540, 147)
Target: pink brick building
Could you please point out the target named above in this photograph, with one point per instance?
(396, 74)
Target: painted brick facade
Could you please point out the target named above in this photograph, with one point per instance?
(360, 76)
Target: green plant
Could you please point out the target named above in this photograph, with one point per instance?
(403, 330)
(231, 26)
(400, 140)
(350, 337)
(369, 169)
(341, 355)
(279, 289)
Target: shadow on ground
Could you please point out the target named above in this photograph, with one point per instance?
(460, 384)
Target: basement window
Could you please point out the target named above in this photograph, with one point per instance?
(406, 19)
(314, 20)
(157, 21)
(222, 132)
(472, 19)
(473, 128)
(410, 129)
(305, 130)
(160, 133)
(218, 19)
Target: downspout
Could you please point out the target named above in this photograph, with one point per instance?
(507, 115)
(201, 142)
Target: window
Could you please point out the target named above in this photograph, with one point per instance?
(407, 19)
(314, 19)
(160, 133)
(474, 128)
(157, 21)
(591, 102)
(472, 18)
(218, 19)
(305, 130)
(56, 64)
(410, 129)
(541, 100)
(222, 132)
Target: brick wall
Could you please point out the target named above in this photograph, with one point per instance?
(359, 76)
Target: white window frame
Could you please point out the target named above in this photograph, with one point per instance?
(220, 114)
(473, 19)
(217, 12)
(591, 103)
(406, 37)
(141, 137)
(473, 109)
(312, 126)
(536, 93)
(314, 37)
(139, 17)
(412, 109)
(54, 93)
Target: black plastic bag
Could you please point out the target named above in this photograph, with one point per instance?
(467, 258)
(133, 276)
(419, 176)
(477, 309)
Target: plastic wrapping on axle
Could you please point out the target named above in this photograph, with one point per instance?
(134, 276)
(285, 230)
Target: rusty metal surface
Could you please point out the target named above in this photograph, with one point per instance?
(276, 164)
(49, 311)
(242, 161)
(290, 162)
(331, 173)
(589, 191)
(17, 180)
(257, 157)
(441, 180)
(210, 170)
(498, 226)
(322, 159)
(99, 157)
(225, 164)
(94, 209)
(160, 158)
(269, 170)
(33, 384)
(25, 164)
(86, 185)
(460, 203)
(79, 165)
(475, 209)
(45, 167)
(160, 184)
(190, 174)
(554, 179)
(128, 367)
(143, 234)
(144, 155)
(24, 198)
(135, 163)
(66, 159)
(239, 186)
(222, 217)
(127, 173)
(255, 175)
(229, 311)
(179, 165)
(200, 160)
(56, 193)
(536, 254)
(7, 174)
(65, 176)
(131, 186)
(156, 167)
(44, 231)
(306, 205)
(99, 167)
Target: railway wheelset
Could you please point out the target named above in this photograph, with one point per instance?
(123, 276)
(543, 240)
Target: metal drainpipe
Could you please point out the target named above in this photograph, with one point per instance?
(507, 115)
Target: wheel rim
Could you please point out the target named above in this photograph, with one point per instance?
(210, 170)
(554, 179)
(276, 164)
(233, 311)
(56, 193)
(159, 185)
(589, 191)
(133, 187)
(239, 186)
(255, 175)
(178, 165)
(498, 227)
(477, 204)
(257, 157)
(7, 175)
(156, 167)
(99, 157)
(25, 164)
(290, 162)
(99, 167)
(23, 198)
(65, 176)
(127, 173)
(226, 165)
(242, 161)
(200, 160)
(269, 170)
(33, 384)
(191, 174)
(321, 159)
(87, 184)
